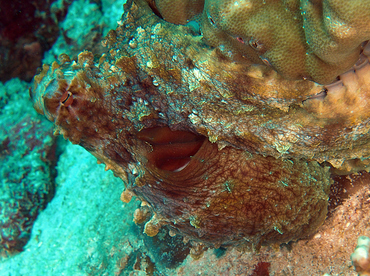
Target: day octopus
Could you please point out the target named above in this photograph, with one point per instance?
(228, 133)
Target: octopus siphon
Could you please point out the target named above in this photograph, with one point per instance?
(228, 133)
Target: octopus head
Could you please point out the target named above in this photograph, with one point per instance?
(218, 146)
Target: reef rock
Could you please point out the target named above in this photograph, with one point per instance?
(28, 157)
(222, 152)
(27, 30)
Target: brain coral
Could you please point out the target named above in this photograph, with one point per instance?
(222, 152)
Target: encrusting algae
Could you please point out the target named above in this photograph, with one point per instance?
(222, 151)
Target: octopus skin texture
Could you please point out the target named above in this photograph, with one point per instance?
(221, 152)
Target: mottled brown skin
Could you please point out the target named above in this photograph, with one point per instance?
(229, 196)
(221, 197)
(243, 168)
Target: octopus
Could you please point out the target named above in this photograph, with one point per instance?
(228, 133)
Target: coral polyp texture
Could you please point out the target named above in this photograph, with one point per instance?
(224, 153)
(315, 40)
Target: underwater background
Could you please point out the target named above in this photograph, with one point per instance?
(61, 212)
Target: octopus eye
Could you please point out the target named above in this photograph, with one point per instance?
(66, 99)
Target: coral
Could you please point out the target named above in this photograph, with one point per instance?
(83, 27)
(360, 257)
(27, 30)
(221, 152)
(316, 40)
(27, 152)
(167, 251)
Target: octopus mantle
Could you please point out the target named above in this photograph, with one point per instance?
(222, 152)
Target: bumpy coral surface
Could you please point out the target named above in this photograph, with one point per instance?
(224, 153)
(315, 40)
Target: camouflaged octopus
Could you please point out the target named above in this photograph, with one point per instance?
(226, 136)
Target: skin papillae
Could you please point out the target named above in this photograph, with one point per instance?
(316, 40)
(222, 152)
